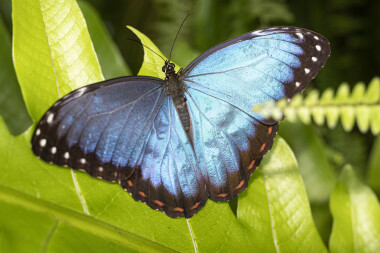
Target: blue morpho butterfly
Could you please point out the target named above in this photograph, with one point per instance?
(176, 142)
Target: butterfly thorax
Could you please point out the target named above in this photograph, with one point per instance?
(176, 90)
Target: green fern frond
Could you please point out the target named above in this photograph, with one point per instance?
(361, 106)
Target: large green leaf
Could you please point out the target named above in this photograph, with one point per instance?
(356, 213)
(53, 53)
(110, 58)
(50, 228)
(215, 227)
(12, 106)
(277, 196)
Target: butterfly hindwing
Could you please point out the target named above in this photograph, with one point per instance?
(229, 144)
(263, 65)
(169, 177)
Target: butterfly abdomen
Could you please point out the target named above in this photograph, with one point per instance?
(176, 90)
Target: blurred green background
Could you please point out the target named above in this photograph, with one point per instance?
(351, 26)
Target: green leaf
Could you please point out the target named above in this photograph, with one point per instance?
(313, 162)
(110, 58)
(12, 106)
(374, 166)
(275, 206)
(373, 92)
(356, 213)
(52, 37)
(152, 65)
(332, 115)
(47, 227)
(360, 106)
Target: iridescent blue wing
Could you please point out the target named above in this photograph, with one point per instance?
(263, 65)
(169, 178)
(125, 130)
(229, 144)
(98, 128)
(225, 83)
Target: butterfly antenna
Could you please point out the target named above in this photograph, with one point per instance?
(171, 50)
(146, 47)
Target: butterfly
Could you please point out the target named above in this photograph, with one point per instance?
(175, 143)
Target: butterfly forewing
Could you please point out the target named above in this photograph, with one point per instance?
(263, 65)
(100, 128)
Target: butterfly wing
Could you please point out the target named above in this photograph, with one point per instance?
(259, 66)
(125, 130)
(98, 128)
(225, 83)
(169, 178)
(229, 144)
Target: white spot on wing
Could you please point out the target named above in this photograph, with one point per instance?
(100, 169)
(50, 118)
(66, 155)
(314, 59)
(43, 142)
(299, 35)
(38, 132)
(53, 150)
(318, 47)
(298, 84)
(315, 37)
(82, 161)
(307, 71)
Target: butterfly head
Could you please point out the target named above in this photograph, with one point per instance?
(168, 68)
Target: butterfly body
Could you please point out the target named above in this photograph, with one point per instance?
(176, 90)
(193, 136)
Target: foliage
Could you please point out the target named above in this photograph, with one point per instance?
(362, 106)
(355, 209)
(54, 209)
(12, 106)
